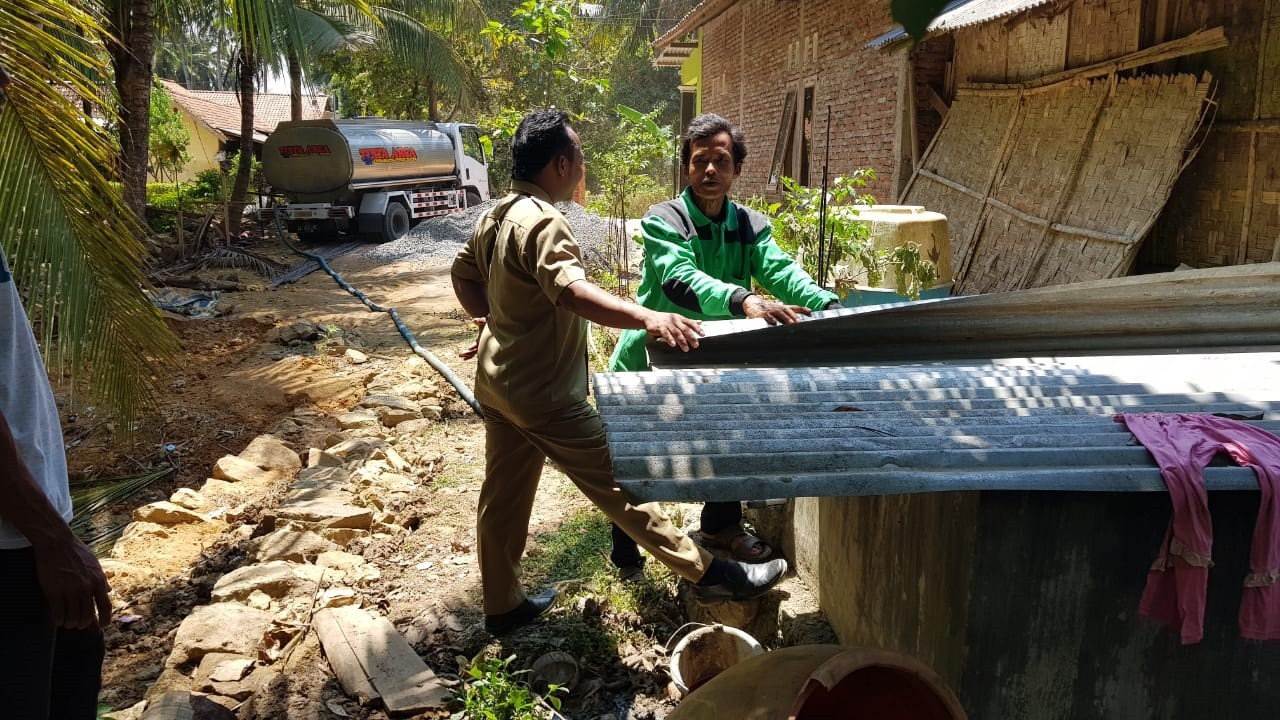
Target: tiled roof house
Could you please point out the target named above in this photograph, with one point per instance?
(213, 118)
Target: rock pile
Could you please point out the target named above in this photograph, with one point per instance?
(303, 550)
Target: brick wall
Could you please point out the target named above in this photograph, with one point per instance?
(757, 50)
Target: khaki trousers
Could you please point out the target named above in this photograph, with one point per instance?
(573, 438)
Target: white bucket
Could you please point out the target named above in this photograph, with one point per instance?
(707, 652)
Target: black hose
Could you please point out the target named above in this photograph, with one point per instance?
(463, 391)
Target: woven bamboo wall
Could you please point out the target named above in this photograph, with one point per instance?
(1223, 210)
(1037, 47)
(1102, 29)
(1059, 184)
(966, 154)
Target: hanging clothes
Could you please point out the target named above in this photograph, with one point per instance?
(1183, 445)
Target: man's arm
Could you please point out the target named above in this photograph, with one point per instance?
(586, 300)
(784, 278)
(70, 577)
(472, 295)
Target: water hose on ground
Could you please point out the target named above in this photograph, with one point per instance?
(463, 391)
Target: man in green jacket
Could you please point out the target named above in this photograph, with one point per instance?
(702, 252)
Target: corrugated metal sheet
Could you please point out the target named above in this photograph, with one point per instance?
(963, 14)
(1020, 424)
(1233, 308)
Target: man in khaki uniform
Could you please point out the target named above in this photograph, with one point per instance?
(521, 273)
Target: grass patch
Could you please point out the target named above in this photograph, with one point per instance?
(577, 550)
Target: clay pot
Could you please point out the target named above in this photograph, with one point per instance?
(812, 682)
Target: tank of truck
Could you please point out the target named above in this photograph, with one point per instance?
(321, 156)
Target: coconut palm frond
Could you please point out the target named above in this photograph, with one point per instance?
(321, 33)
(243, 259)
(425, 51)
(91, 499)
(74, 246)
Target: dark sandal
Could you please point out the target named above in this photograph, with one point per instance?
(744, 546)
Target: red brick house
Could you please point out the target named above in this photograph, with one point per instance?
(776, 66)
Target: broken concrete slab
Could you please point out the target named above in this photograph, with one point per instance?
(166, 513)
(358, 420)
(392, 402)
(222, 667)
(182, 705)
(237, 469)
(190, 499)
(271, 453)
(392, 417)
(326, 513)
(276, 579)
(241, 689)
(221, 627)
(370, 658)
(319, 458)
(294, 545)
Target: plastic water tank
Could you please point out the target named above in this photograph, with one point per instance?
(895, 225)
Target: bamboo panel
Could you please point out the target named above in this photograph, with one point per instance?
(1055, 125)
(1103, 29)
(1269, 88)
(982, 53)
(1264, 229)
(1037, 47)
(1204, 217)
(966, 151)
(1136, 154)
(1069, 258)
(1005, 252)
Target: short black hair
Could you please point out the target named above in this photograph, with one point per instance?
(542, 136)
(709, 125)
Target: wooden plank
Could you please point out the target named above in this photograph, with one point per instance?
(936, 102)
(342, 656)
(385, 660)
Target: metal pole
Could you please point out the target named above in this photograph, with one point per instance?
(822, 208)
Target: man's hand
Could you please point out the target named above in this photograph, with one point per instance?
(773, 313)
(674, 330)
(73, 583)
(475, 346)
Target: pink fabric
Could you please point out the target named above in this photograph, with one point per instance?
(1183, 444)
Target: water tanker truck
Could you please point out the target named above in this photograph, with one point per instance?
(372, 177)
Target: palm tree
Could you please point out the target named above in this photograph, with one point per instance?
(74, 245)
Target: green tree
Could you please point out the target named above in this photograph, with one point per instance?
(168, 139)
(416, 66)
(73, 244)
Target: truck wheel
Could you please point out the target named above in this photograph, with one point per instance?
(473, 198)
(395, 222)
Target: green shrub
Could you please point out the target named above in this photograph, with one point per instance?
(492, 691)
(850, 257)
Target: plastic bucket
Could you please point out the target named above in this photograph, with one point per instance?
(707, 652)
(823, 682)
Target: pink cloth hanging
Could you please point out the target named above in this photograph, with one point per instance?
(1183, 444)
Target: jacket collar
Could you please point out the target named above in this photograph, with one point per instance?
(700, 220)
(528, 188)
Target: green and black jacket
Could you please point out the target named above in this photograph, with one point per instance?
(703, 269)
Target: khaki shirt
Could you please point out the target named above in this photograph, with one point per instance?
(532, 357)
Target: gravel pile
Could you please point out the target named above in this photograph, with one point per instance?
(436, 241)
